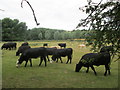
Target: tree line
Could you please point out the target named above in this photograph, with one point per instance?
(14, 30)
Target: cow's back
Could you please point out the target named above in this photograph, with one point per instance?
(34, 52)
(64, 52)
(97, 58)
(50, 51)
(23, 48)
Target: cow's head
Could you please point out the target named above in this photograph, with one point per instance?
(17, 53)
(78, 67)
(19, 62)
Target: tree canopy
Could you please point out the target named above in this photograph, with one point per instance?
(104, 21)
(13, 29)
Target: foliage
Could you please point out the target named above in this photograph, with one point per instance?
(88, 61)
(104, 21)
(13, 29)
(40, 35)
(55, 34)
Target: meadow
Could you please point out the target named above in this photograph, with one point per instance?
(55, 75)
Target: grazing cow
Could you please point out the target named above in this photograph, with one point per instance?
(50, 51)
(90, 59)
(9, 46)
(21, 49)
(25, 44)
(32, 53)
(62, 45)
(62, 53)
(45, 44)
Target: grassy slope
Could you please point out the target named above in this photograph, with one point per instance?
(55, 75)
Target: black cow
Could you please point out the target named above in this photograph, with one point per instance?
(21, 49)
(90, 59)
(62, 45)
(25, 44)
(45, 44)
(62, 53)
(50, 51)
(9, 46)
(32, 53)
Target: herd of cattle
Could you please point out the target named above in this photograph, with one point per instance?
(88, 60)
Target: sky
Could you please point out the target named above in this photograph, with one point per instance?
(54, 14)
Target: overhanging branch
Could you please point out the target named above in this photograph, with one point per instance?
(32, 11)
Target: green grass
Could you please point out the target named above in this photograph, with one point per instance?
(55, 75)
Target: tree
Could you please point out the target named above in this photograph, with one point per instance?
(34, 34)
(48, 35)
(65, 35)
(57, 35)
(40, 36)
(13, 29)
(104, 21)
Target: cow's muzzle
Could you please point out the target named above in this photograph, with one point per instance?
(17, 64)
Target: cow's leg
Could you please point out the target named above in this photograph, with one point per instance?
(45, 60)
(69, 58)
(56, 60)
(48, 58)
(107, 68)
(41, 59)
(26, 63)
(93, 70)
(6, 48)
(61, 59)
(9, 48)
(15, 47)
(30, 62)
(87, 70)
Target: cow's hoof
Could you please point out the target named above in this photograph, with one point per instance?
(105, 75)
(95, 74)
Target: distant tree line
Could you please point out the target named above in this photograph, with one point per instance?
(53, 34)
(15, 30)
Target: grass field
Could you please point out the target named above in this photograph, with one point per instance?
(55, 75)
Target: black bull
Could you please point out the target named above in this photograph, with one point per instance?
(30, 53)
(9, 46)
(90, 59)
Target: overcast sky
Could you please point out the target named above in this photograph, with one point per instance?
(55, 14)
